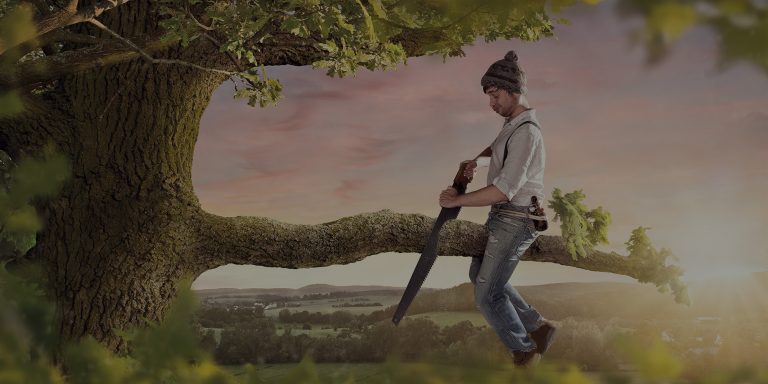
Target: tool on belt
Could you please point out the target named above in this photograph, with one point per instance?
(535, 213)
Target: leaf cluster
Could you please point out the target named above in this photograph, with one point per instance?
(350, 34)
(582, 229)
(653, 264)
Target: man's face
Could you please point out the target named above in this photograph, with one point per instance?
(501, 101)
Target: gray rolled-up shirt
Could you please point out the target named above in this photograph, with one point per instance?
(522, 175)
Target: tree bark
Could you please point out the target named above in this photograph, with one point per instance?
(266, 242)
(117, 237)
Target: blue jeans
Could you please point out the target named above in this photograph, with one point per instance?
(500, 303)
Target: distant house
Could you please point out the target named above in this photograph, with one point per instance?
(711, 346)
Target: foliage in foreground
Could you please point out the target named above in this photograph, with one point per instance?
(169, 352)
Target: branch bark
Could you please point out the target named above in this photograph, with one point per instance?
(267, 242)
(33, 72)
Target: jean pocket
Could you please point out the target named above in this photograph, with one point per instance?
(508, 219)
(531, 227)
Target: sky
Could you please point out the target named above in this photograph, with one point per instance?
(679, 147)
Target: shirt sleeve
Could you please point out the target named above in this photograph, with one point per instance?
(513, 174)
(483, 161)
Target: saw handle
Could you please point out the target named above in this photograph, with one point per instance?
(460, 181)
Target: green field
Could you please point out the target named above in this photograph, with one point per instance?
(316, 331)
(327, 305)
(444, 319)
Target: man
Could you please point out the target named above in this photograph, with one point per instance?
(512, 181)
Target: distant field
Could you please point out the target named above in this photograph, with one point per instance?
(444, 319)
(316, 331)
(327, 305)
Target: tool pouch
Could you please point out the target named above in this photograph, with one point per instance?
(536, 210)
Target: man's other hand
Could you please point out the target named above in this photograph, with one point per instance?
(449, 198)
(471, 169)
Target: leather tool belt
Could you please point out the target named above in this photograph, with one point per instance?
(534, 212)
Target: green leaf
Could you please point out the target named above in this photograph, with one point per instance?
(368, 22)
(329, 46)
(341, 21)
(378, 8)
(581, 228)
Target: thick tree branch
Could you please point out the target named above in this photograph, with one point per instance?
(152, 60)
(32, 72)
(283, 49)
(46, 43)
(266, 242)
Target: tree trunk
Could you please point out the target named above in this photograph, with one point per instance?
(116, 237)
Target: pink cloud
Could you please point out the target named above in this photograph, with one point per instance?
(350, 189)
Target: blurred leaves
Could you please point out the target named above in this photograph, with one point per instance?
(16, 26)
(654, 362)
(164, 352)
(167, 352)
(10, 104)
(740, 25)
(34, 177)
(25, 333)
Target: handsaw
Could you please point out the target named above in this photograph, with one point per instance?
(429, 254)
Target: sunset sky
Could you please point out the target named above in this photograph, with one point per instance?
(680, 148)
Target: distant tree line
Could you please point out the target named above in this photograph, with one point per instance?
(345, 305)
(220, 317)
(256, 341)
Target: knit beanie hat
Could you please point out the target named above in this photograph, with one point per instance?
(505, 74)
